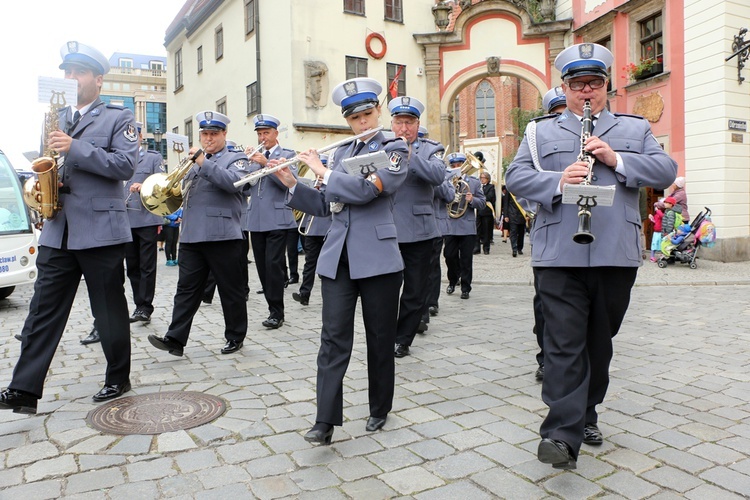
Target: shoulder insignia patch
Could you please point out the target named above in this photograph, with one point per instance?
(395, 159)
(130, 133)
(373, 146)
(439, 154)
(240, 164)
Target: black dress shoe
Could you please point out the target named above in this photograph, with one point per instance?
(167, 344)
(434, 310)
(486, 252)
(91, 338)
(111, 392)
(515, 253)
(231, 346)
(477, 251)
(140, 315)
(556, 453)
(18, 337)
(260, 292)
(539, 374)
(401, 350)
(375, 423)
(273, 323)
(292, 281)
(592, 435)
(450, 289)
(320, 434)
(19, 402)
(520, 252)
(301, 298)
(464, 295)
(422, 327)
(208, 300)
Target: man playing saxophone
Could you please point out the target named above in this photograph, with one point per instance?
(584, 288)
(99, 147)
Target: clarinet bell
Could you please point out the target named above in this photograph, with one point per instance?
(584, 235)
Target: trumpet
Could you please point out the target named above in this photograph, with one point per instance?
(255, 176)
(161, 194)
(252, 150)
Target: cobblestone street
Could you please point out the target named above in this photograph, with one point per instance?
(676, 420)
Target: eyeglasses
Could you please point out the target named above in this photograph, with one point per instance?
(406, 122)
(594, 84)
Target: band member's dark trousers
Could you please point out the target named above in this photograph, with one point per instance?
(517, 233)
(459, 258)
(223, 259)
(379, 312)
(313, 244)
(413, 301)
(208, 292)
(588, 305)
(486, 226)
(171, 235)
(538, 320)
(435, 273)
(269, 248)
(54, 291)
(140, 258)
(292, 252)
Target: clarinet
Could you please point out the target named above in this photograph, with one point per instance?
(585, 203)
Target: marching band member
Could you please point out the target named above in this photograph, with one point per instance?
(315, 232)
(210, 239)
(415, 219)
(360, 258)
(98, 144)
(462, 233)
(269, 219)
(140, 254)
(585, 287)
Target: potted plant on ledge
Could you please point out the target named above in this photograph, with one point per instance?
(645, 68)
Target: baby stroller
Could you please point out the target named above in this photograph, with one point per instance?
(682, 244)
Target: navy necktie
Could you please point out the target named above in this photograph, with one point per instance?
(267, 154)
(359, 147)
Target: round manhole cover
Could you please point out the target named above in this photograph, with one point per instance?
(156, 413)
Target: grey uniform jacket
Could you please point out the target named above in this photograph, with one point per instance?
(617, 229)
(443, 194)
(412, 203)
(212, 206)
(149, 163)
(102, 155)
(268, 210)
(467, 223)
(365, 224)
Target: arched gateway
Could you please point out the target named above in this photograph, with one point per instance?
(491, 37)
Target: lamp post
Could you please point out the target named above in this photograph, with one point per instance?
(441, 11)
(157, 139)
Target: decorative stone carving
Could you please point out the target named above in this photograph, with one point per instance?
(493, 65)
(649, 106)
(316, 84)
(465, 4)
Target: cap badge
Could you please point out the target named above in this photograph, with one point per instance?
(209, 116)
(586, 50)
(405, 101)
(72, 47)
(350, 88)
(259, 118)
(559, 91)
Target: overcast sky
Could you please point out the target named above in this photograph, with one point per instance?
(30, 39)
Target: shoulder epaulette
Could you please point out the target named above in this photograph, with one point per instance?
(627, 114)
(153, 152)
(289, 150)
(388, 141)
(115, 106)
(430, 141)
(545, 117)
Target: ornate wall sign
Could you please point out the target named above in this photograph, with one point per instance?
(649, 106)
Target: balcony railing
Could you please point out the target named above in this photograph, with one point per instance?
(157, 72)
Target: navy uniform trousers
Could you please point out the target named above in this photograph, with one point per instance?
(459, 259)
(417, 257)
(196, 261)
(140, 257)
(269, 249)
(578, 343)
(55, 289)
(313, 245)
(379, 312)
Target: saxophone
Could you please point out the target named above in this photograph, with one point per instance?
(40, 193)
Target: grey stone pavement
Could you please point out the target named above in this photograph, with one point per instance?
(466, 416)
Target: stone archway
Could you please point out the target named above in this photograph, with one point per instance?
(487, 37)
